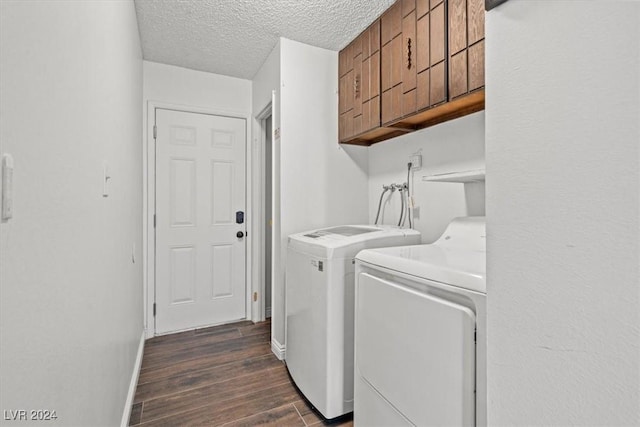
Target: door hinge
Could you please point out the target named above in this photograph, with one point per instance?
(154, 220)
(155, 132)
(255, 296)
(154, 309)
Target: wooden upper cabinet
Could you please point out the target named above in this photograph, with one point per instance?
(391, 23)
(437, 40)
(414, 61)
(391, 62)
(422, 7)
(466, 47)
(359, 84)
(421, 63)
(409, 62)
(371, 100)
(398, 56)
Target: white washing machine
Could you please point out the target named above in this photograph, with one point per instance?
(420, 331)
(319, 307)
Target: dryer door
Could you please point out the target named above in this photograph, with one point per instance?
(416, 351)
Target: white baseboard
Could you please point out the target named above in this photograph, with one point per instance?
(278, 349)
(148, 333)
(133, 384)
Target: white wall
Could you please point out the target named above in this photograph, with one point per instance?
(321, 183)
(168, 85)
(563, 211)
(71, 304)
(182, 86)
(452, 146)
(266, 80)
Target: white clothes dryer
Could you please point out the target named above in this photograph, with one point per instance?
(319, 309)
(420, 331)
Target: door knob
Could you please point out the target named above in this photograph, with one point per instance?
(239, 234)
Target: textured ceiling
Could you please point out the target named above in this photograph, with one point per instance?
(234, 37)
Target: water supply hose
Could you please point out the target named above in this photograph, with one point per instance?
(409, 195)
(401, 206)
(384, 190)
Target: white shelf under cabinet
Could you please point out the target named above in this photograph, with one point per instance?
(475, 175)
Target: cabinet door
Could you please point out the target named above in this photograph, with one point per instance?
(371, 79)
(391, 23)
(422, 8)
(457, 26)
(437, 38)
(475, 31)
(409, 63)
(408, 6)
(392, 62)
(466, 46)
(392, 54)
(458, 74)
(475, 21)
(359, 84)
(422, 55)
(476, 66)
(430, 54)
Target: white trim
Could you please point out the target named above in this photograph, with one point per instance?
(149, 203)
(135, 375)
(267, 312)
(278, 349)
(259, 310)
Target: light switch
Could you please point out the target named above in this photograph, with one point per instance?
(7, 187)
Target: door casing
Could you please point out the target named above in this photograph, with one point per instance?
(149, 203)
(260, 213)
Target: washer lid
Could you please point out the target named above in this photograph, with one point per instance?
(351, 236)
(344, 230)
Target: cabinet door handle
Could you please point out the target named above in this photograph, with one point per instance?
(409, 53)
(356, 86)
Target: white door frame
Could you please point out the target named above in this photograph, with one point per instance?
(149, 203)
(260, 211)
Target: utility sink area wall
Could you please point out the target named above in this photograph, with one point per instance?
(453, 146)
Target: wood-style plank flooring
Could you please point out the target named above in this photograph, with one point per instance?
(223, 375)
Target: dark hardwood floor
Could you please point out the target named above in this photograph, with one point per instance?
(224, 375)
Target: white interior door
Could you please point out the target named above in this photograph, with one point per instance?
(200, 185)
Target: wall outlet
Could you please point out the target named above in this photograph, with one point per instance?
(416, 161)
